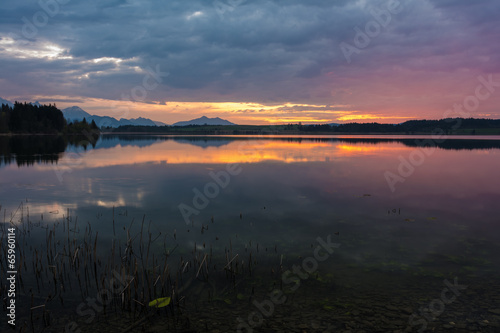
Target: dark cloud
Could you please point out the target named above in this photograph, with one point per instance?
(261, 51)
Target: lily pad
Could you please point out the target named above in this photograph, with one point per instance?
(160, 302)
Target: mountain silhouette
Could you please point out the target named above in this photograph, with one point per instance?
(204, 121)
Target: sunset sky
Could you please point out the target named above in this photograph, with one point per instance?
(253, 61)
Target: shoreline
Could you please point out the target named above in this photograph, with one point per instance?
(292, 134)
(217, 133)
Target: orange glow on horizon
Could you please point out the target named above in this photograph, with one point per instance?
(242, 113)
(348, 118)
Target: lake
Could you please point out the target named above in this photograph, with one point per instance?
(257, 233)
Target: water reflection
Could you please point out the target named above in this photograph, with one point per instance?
(128, 149)
(28, 150)
(441, 222)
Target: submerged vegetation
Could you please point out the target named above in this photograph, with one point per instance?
(137, 277)
(114, 270)
(140, 274)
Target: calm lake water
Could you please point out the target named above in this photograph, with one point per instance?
(263, 234)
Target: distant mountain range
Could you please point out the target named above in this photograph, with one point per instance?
(76, 113)
(204, 121)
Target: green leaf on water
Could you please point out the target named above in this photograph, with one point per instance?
(160, 302)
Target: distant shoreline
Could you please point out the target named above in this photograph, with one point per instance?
(448, 126)
(221, 133)
(291, 133)
(43, 134)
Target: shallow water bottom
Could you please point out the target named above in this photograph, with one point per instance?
(340, 300)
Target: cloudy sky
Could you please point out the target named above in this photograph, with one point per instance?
(254, 61)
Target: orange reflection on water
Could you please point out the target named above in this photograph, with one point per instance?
(352, 148)
(210, 152)
(363, 149)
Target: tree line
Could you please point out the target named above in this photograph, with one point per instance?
(442, 126)
(40, 119)
(439, 127)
